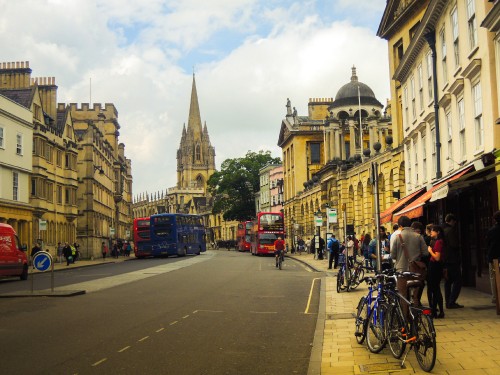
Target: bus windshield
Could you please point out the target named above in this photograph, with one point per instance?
(272, 222)
(164, 226)
(267, 238)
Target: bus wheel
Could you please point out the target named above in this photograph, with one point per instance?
(199, 251)
(182, 252)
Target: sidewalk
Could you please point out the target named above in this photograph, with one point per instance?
(468, 339)
(61, 266)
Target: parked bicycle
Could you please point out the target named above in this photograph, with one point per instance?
(364, 310)
(376, 338)
(343, 279)
(357, 272)
(417, 329)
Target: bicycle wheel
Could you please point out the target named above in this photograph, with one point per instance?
(375, 328)
(396, 328)
(357, 276)
(340, 280)
(425, 343)
(361, 320)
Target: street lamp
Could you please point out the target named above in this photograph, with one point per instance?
(318, 221)
(89, 204)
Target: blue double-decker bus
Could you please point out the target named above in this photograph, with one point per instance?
(177, 234)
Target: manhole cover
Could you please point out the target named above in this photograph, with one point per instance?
(381, 367)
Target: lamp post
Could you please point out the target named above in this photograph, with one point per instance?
(89, 202)
(374, 180)
(318, 221)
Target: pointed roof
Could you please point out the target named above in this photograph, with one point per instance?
(194, 120)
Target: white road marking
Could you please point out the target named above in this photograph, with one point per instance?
(99, 362)
(130, 277)
(174, 323)
(263, 312)
(144, 338)
(159, 330)
(123, 349)
(185, 316)
(210, 311)
(310, 295)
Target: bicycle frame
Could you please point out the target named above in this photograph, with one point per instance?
(408, 334)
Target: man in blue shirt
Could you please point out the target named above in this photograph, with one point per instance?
(333, 246)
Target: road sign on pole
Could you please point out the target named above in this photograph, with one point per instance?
(318, 220)
(42, 261)
(42, 225)
(332, 216)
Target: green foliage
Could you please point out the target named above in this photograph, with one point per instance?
(235, 185)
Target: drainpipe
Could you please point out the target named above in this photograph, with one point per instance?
(430, 37)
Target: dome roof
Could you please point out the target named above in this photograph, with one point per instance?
(348, 94)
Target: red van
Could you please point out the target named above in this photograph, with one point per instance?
(13, 259)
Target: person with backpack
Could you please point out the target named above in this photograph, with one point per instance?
(333, 246)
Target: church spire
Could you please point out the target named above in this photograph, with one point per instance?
(194, 120)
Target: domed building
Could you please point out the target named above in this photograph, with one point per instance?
(354, 104)
(327, 162)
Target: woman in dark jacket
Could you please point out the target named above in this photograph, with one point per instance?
(435, 272)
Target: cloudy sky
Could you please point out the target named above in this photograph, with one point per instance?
(249, 56)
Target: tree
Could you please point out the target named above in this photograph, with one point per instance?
(235, 185)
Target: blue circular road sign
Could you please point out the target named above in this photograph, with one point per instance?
(42, 261)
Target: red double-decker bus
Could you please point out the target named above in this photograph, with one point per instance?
(243, 235)
(266, 229)
(142, 237)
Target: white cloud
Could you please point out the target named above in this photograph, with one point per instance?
(287, 50)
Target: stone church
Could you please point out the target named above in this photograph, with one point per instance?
(195, 165)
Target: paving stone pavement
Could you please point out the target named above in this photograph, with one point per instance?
(468, 339)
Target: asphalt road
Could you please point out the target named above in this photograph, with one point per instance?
(221, 313)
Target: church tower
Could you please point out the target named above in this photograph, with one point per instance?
(195, 156)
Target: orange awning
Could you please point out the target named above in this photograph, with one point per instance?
(386, 216)
(416, 208)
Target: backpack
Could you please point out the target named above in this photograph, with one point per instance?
(334, 246)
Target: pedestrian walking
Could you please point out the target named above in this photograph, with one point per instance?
(333, 251)
(35, 250)
(128, 249)
(67, 254)
(452, 263)
(350, 246)
(59, 252)
(435, 271)
(369, 250)
(104, 250)
(409, 246)
(308, 246)
(73, 253)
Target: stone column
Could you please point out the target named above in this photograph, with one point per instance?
(352, 133)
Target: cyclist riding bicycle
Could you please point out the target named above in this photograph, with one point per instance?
(279, 248)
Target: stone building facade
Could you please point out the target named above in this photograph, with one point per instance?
(445, 81)
(67, 146)
(336, 170)
(16, 166)
(105, 177)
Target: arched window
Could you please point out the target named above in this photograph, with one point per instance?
(199, 181)
(198, 153)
